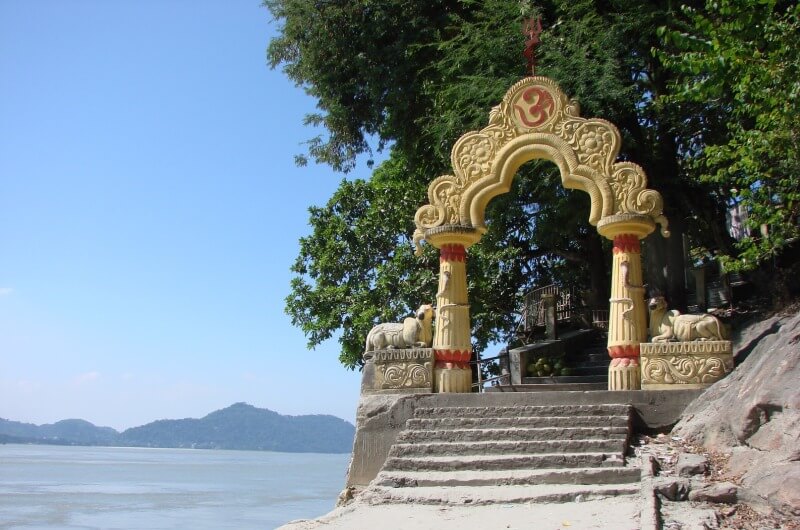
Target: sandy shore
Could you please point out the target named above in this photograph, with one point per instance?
(613, 513)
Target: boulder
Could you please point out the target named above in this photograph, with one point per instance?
(754, 413)
(672, 489)
(690, 464)
(720, 492)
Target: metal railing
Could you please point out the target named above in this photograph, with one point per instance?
(532, 317)
(503, 378)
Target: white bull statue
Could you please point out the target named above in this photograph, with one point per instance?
(671, 325)
(413, 332)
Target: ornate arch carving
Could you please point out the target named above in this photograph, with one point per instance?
(536, 120)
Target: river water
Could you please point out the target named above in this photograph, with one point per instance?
(49, 487)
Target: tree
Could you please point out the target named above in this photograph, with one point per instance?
(341, 283)
(740, 59)
(418, 75)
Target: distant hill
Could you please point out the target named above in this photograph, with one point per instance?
(240, 426)
(243, 426)
(64, 432)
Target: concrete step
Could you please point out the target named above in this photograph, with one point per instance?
(580, 370)
(511, 477)
(584, 356)
(612, 409)
(502, 462)
(588, 363)
(610, 445)
(466, 495)
(591, 368)
(559, 387)
(519, 434)
(596, 349)
(429, 424)
(598, 378)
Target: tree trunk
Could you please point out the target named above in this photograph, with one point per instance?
(598, 263)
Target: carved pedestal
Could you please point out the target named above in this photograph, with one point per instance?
(403, 370)
(678, 365)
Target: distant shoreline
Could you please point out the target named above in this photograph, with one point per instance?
(12, 443)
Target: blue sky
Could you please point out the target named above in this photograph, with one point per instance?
(149, 213)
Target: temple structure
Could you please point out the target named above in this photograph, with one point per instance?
(409, 447)
(536, 120)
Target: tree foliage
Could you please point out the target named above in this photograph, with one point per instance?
(741, 59)
(418, 75)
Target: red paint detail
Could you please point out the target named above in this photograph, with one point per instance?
(630, 351)
(453, 253)
(624, 362)
(452, 356)
(627, 243)
(450, 366)
(540, 106)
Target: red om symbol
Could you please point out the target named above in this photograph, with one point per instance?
(540, 105)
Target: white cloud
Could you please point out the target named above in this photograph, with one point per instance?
(5, 291)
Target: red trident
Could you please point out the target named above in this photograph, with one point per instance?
(531, 28)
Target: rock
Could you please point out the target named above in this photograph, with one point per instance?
(719, 492)
(685, 517)
(691, 464)
(346, 496)
(754, 413)
(673, 489)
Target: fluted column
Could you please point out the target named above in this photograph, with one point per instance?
(627, 323)
(452, 345)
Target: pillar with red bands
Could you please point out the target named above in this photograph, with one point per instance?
(453, 253)
(627, 243)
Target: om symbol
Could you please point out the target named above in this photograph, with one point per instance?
(540, 105)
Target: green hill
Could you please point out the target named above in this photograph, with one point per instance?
(64, 432)
(240, 426)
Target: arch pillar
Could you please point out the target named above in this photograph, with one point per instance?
(452, 343)
(627, 324)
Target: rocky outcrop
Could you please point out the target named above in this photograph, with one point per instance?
(754, 414)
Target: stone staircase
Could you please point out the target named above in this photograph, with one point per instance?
(485, 455)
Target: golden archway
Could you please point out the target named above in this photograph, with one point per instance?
(536, 120)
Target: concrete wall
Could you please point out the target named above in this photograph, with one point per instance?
(381, 417)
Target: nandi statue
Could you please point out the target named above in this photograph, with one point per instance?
(413, 332)
(666, 326)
